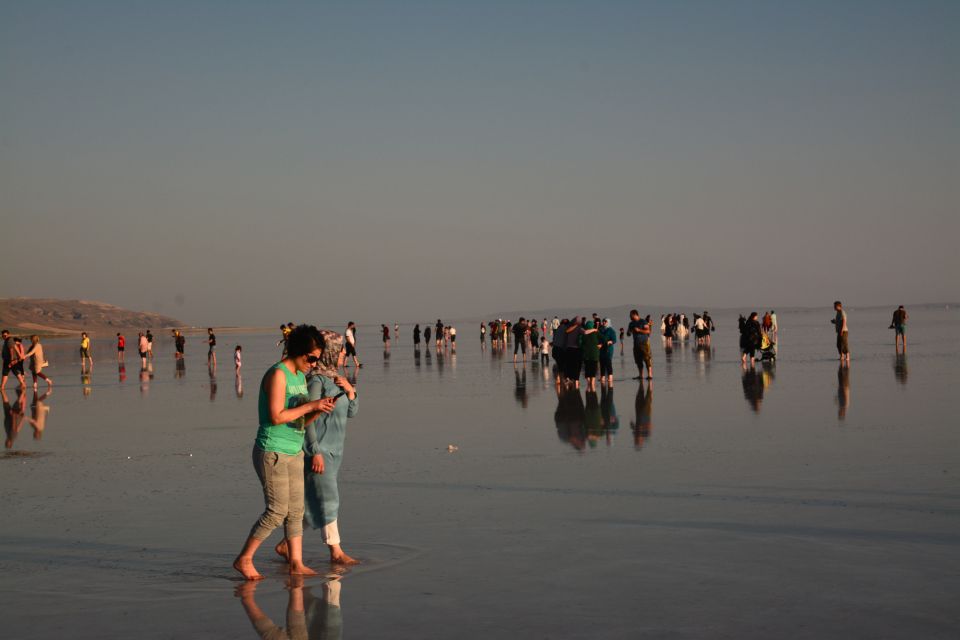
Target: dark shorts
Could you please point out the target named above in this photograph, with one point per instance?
(642, 355)
(16, 369)
(520, 344)
(842, 347)
(351, 350)
(453, 338)
(143, 354)
(572, 360)
(901, 329)
(748, 351)
(606, 365)
(84, 353)
(590, 368)
(120, 349)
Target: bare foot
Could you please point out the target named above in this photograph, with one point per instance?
(246, 568)
(282, 550)
(301, 569)
(342, 558)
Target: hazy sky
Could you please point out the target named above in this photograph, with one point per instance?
(238, 162)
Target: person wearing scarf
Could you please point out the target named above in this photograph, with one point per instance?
(323, 446)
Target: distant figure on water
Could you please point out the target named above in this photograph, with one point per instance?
(899, 325)
(85, 350)
(416, 336)
(284, 409)
(179, 344)
(211, 348)
(237, 358)
(350, 335)
(840, 325)
(121, 347)
(639, 330)
(143, 348)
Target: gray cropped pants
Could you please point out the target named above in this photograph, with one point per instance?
(282, 478)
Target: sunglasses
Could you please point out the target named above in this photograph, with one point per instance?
(313, 359)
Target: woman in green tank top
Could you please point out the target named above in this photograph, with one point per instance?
(284, 408)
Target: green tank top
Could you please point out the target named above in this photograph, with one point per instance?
(288, 437)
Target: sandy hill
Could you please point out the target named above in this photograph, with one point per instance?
(52, 316)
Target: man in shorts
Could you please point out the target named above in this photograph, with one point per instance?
(143, 347)
(10, 360)
(350, 336)
(520, 339)
(639, 328)
(899, 325)
(121, 347)
(840, 324)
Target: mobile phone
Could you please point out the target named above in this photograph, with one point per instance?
(337, 397)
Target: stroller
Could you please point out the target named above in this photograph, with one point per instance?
(768, 349)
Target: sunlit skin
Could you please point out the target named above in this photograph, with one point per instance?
(337, 555)
(275, 387)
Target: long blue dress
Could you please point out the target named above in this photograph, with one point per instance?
(325, 436)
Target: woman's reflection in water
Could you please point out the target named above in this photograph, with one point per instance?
(520, 386)
(642, 427)
(212, 372)
(569, 418)
(843, 390)
(594, 419)
(38, 413)
(308, 617)
(755, 380)
(900, 368)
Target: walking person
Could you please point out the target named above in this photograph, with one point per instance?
(179, 344)
(85, 350)
(149, 345)
(284, 409)
(899, 325)
(37, 361)
(211, 348)
(386, 336)
(840, 324)
(323, 447)
(10, 360)
(426, 337)
(751, 336)
(608, 338)
(639, 330)
(350, 335)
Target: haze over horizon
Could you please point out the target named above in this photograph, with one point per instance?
(231, 163)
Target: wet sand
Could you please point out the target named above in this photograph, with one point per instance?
(800, 500)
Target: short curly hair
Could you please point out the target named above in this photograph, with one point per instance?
(304, 339)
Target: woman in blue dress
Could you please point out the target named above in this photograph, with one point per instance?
(323, 446)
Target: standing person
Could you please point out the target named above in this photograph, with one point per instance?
(544, 351)
(519, 339)
(121, 347)
(438, 335)
(386, 336)
(37, 361)
(426, 336)
(351, 337)
(751, 337)
(149, 344)
(554, 325)
(283, 409)
(211, 348)
(179, 344)
(710, 327)
(483, 333)
(396, 330)
(237, 358)
(85, 350)
(700, 330)
(899, 325)
(608, 338)
(572, 356)
(621, 340)
(453, 338)
(534, 339)
(589, 342)
(639, 330)
(775, 328)
(323, 447)
(284, 332)
(142, 348)
(416, 336)
(840, 324)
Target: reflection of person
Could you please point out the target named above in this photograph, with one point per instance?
(520, 387)
(609, 412)
(569, 417)
(843, 391)
(38, 413)
(753, 388)
(277, 453)
(642, 426)
(900, 368)
(13, 413)
(308, 617)
(324, 444)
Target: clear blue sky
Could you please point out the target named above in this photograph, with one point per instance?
(238, 163)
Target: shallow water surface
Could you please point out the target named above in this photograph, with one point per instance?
(800, 499)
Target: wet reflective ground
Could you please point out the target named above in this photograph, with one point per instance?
(799, 499)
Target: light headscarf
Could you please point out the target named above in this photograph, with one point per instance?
(332, 346)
